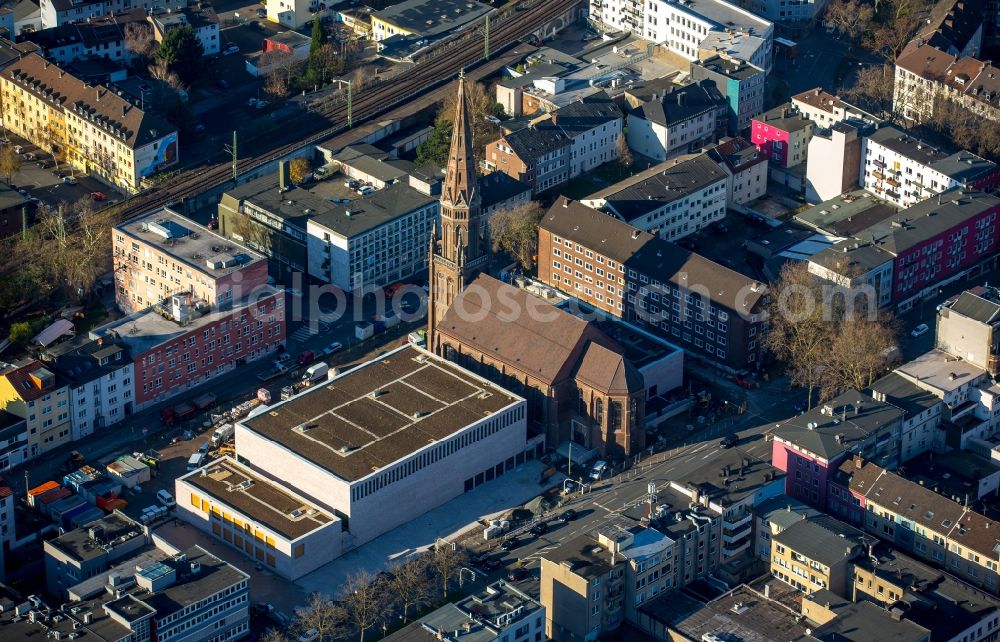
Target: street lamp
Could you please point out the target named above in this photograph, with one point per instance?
(461, 570)
(350, 101)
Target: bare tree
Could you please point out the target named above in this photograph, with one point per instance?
(622, 151)
(514, 230)
(161, 71)
(10, 162)
(280, 68)
(367, 600)
(326, 62)
(479, 103)
(328, 619)
(244, 229)
(411, 582)
(850, 18)
(798, 334)
(447, 561)
(861, 350)
(139, 39)
(275, 635)
(873, 89)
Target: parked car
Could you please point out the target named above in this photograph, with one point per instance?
(204, 448)
(165, 498)
(727, 442)
(18, 149)
(598, 470)
(490, 564)
(306, 356)
(336, 346)
(920, 330)
(98, 196)
(45, 164)
(567, 516)
(517, 574)
(29, 156)
(539, 529)
(69, 180)
(509, 544)
(230, 50)
(261, 13)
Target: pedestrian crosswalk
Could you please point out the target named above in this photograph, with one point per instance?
(302, 334)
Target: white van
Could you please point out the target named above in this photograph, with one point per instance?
(598, 470)
(195, 461)
(165, 498)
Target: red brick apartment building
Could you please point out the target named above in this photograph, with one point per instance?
(200, 305)
(714, 313)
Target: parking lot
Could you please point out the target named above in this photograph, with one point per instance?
(39, 179)
(723, 242)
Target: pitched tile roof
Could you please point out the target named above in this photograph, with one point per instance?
(660, 185)
(653, 256)
(833, 428)
(56, 87)
(608, 371)
(682, 103)
(536, 140)
(535, 337)
(924, 507)
(24, 379)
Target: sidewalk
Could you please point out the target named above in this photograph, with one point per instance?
(446, 521)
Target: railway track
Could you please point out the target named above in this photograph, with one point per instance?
(464, 52)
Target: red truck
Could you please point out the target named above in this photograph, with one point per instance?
(182, 411)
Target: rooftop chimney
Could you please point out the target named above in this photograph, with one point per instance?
(284, 176)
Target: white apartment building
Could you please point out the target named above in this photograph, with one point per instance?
(593, 126)
(671, 199)
(786, 11)
(684, 27)
(13, 440)
(904, 170)
(834, 162)
(682, 121)
(826, 109)
(372, 241)
(746, 167)
(101, 383)
(59, 12)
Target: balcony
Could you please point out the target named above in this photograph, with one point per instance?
(878, 163)
(733, 523)
(892, 181)
(879, 175)
(734, 538)
(729, 553)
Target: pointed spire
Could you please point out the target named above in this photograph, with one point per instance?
(460, 182)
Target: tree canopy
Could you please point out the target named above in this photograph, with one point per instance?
(181, 52)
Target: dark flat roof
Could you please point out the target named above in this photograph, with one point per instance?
(261, 500)
(342, 427)
(432, 17)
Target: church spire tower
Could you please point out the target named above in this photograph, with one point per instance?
(461, 250)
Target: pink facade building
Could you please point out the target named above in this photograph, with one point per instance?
(782, 135)
(164, 253)
(810, 447)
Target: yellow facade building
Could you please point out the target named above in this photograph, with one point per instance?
(34, 393)
(89, 127)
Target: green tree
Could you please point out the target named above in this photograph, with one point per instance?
(317, 37)
(20, 332)
(181, 52)
(434, 150)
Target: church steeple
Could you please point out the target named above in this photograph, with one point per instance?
(460, 187)
(461, 250)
